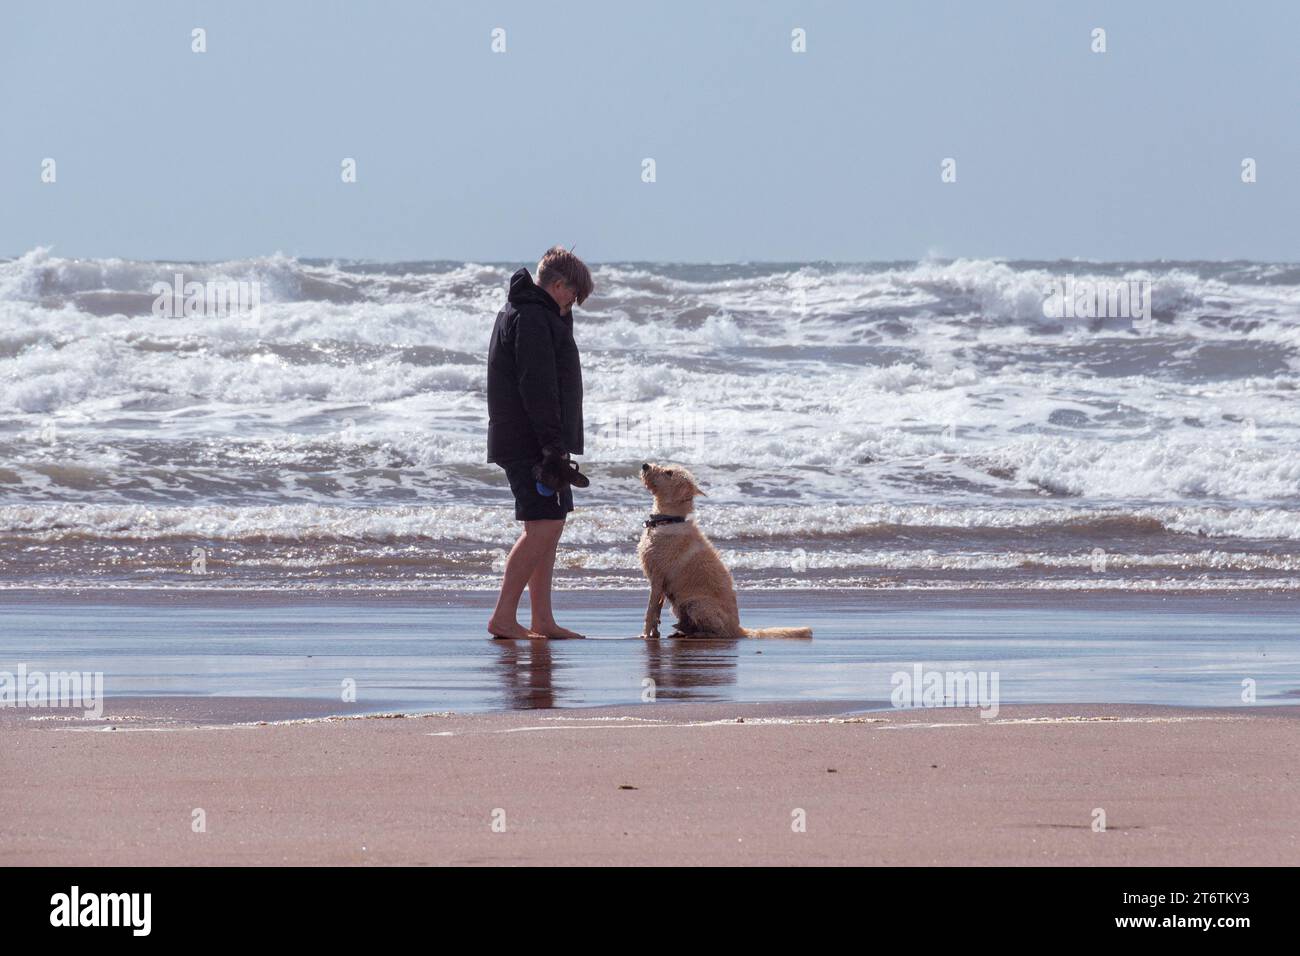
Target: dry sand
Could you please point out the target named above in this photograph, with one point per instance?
(656, 784)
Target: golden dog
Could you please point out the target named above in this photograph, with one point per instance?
(683, 566)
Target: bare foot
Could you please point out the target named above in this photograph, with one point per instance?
(554, 631)
(511, 631)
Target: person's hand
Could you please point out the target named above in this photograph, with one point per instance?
(553, 470)
(557, 470)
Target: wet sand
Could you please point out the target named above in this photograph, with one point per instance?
(430, 652)
(650, 784)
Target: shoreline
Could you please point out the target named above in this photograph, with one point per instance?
(425, 653)
(1008, 597)
(192, 712)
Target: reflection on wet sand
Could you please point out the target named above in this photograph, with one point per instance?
(526, 679)
(681, 668)
(406, 654)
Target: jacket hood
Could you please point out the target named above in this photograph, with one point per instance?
(523, 290)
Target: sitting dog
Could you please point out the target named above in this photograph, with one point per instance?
(683, 566)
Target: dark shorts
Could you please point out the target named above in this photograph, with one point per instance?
(529, 505)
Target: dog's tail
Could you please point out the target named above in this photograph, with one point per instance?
(789, 633)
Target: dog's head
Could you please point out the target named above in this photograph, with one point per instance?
(670, 483)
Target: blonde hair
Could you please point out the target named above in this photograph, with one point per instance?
(559, 263)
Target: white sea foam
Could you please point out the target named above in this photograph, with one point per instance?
(605, 525)
(813, 400)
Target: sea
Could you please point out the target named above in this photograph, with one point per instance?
(927, 425)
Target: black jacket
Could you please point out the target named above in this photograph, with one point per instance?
(534, 378)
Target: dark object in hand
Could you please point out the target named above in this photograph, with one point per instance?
(556, 470)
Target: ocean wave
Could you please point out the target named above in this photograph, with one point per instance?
(605, 525)
(488, 584)
(992, 289)
(936, 392)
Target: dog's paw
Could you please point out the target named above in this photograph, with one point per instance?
(650, 634)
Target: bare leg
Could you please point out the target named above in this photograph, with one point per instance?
(539, 595)
(538, 540)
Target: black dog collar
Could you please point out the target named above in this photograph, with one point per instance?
(655, 520)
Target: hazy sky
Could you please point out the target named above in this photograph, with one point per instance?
(760, 153)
